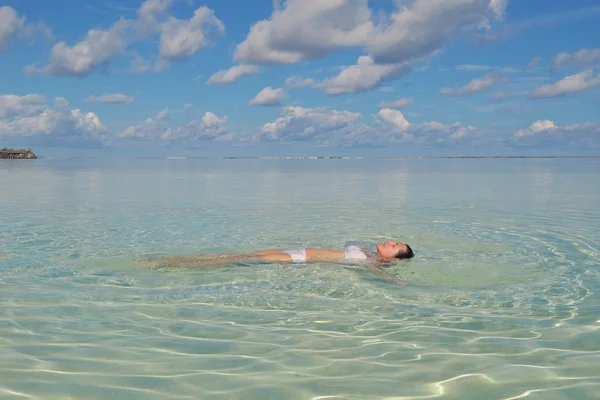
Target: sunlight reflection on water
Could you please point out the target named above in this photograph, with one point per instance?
(501, 300)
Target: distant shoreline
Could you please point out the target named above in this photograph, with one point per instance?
(313, 157)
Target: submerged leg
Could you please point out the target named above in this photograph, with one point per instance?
(215, 260)
(191, 261)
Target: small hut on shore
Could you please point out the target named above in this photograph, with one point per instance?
(16, 154)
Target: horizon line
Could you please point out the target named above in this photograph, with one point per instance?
(304, 157)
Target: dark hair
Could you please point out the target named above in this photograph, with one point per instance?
(405, 254)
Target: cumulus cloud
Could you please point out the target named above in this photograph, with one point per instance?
(585, 135)
(421, 28)
(536, 127)
(210, 127)
(364, 76)
(580, 58)
(111, 98)
(426, 132)
(394, 118)
(152, 128)
(318, 124)
(570, 84)
(178, 39)
(309, 29)
(10, 24)
(12, 105)
(344, 128)
(91, 54)
(269, 97)
(306, 29)
(233, 74)
(396, 104)
(33, 116)
(14, 26)
(474, 86)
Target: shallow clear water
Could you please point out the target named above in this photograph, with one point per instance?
(501, 301)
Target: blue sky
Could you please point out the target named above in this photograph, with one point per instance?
(300, 77)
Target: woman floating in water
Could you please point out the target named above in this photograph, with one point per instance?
(387, 252)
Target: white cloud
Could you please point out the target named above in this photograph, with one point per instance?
(210, 127)
(497, 7)
(151, 12)
(400, 103)
(536, 127)
(421, 28)
(306, 29)
(91, 54)
(269, 97)
(474, 86)
(544, 125)
(584, 135)
(328, 127)
(426, 132)
(111, 98)
(12, 105)
(32, 116)
(152, 128)
(363, 76)
(12, 25)
(179, 39)
(570, 84)
(233, 74)
(210, 120)
(309, 29)
(319, 124)
(580, 58)
(394, 118)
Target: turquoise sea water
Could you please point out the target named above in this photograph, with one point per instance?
(501, 302)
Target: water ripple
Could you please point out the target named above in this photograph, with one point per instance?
(501, 301)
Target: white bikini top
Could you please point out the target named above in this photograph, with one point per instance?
(353, 252)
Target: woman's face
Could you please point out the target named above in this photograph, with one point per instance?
(389, 248)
